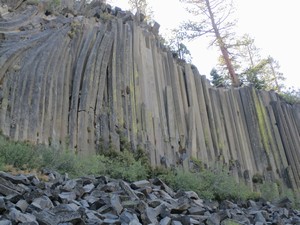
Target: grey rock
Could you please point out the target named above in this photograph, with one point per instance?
(163, 186)
(150, 216)
(155, 28)
(8, 188)
(42, 203)
(88, 188)
(116, 203)
(111, 221)
(129, 218)
(51, 218)
(22, 205)
(196, 210)
(165, 221)
(185, 220)
(140, 184)
(259, 223)
(128, 190)
(69, 185)
(259, 217)
(2, 204)
(5, 222)
(15, 179)
(252, 204)
(175, 222)
(67, 196)
(17, 216)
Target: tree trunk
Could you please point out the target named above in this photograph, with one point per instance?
(233, 76)
(274, 75)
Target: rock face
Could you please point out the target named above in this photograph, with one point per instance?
(100, 200)
(89, 76)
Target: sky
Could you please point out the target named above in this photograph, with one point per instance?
(272, 23)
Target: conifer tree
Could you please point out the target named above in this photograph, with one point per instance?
(212, 17)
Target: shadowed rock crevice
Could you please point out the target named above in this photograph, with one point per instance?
(88, 76)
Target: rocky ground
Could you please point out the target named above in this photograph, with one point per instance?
(24, 199)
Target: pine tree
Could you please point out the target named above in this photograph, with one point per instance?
(212, 18)
(216, 79)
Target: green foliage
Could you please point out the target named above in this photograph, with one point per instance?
(291, 95)
(216, 79)
(197, 164)
(230, 222)
(75, 28)
(208, 184)
(32, 2)
(106, 16)
(175, 45)
(215, 183)
(295, 199)
(17, 154)
(124, 143)
(126, 167)
(269, 191)
(2, 164)
(252, 77)
(257, 178)
(275, 191)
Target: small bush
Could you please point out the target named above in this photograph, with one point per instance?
(125, 166)
(294, 196)
(92, 165)
(274, 191)
(18, 154)
(2, 164)
(208, 184)
(32, 2)
(291, 95)
(69, 162)
(269, 191)
(257, 178)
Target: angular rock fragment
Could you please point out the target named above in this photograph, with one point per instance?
(8, 188)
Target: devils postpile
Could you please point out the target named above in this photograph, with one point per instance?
(90, 76)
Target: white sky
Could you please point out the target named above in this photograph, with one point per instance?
(273, 24)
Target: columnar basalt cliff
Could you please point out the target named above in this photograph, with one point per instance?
(89, 77)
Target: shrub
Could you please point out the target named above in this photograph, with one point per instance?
(32, 2)
(217, 184)
(291, 95)
(257, 178)
(92, 165)
(17, 154)
(125, 166)
(269, 191)
(1, 163)
(68, 162)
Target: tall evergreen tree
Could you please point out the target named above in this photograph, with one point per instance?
(253, 69)
(212, 17)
